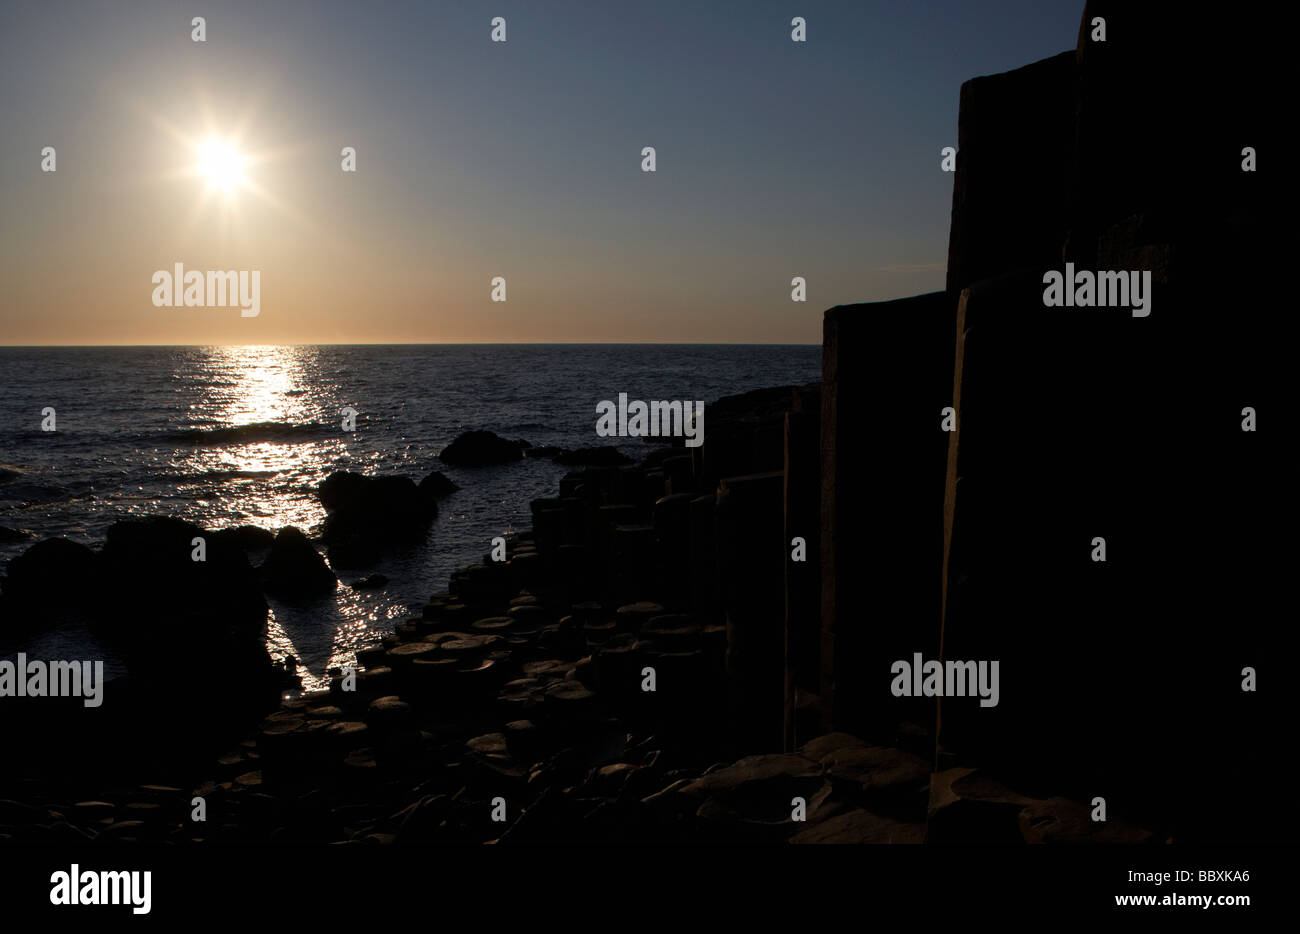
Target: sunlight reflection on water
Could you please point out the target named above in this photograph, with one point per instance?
(230, 436)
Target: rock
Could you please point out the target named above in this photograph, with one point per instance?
(373, 582)
(437, 485)
(750, 800)
(605, 456)
(247, 537)
(858, 827)
(482, 449)
(1004, 218)
(366, 514)
(966, 806)
(183, 613)
(55, 566)
(419, 822)
(770, 778)
(1060, 820)
(294, 570)
(8, 536)
(881, 770)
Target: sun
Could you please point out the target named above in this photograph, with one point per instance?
(221, 164)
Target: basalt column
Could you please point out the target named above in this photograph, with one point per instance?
(886, 378)
(1110, 530)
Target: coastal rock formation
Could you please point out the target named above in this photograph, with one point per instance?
(437, 485)
(179, 618)
(248, 537)
(294, 570)
(55, 567)
(368, 514)
(482, 449)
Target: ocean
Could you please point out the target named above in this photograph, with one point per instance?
(227, 436)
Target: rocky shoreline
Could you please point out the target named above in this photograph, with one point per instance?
(591, 684)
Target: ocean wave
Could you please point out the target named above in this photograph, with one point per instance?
(222, 476)
(253, 433)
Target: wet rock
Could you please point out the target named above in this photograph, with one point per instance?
(373, 582)
(482, 449)
(437, 485)
(294, 570)
(248, 537)
(9, 536)
(53, 566)
(366, 513)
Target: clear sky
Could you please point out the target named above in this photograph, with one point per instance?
(478, 159)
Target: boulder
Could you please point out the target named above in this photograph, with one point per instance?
(55, 567)
(366, 514)
(294, 570)
(482, 449)
(437, 484)
(182, 621)
(247, 537)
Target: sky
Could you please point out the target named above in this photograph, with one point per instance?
(477, 159)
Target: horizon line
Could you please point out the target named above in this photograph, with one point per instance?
(427, 344)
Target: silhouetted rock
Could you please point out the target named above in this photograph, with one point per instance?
(294, 570)
(247, 537)
(166, 579)
(8, 536)
(606, 456)
(437, 484)
(53, 569)
(373, 582)
(482, 449)
(366, 514)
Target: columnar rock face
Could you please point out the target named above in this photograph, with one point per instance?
(1009, 196)
(887, 375)
(1078, 424)
(802, 570)
(751, 558)
(1127, 148)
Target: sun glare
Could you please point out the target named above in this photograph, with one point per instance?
(220, 164)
